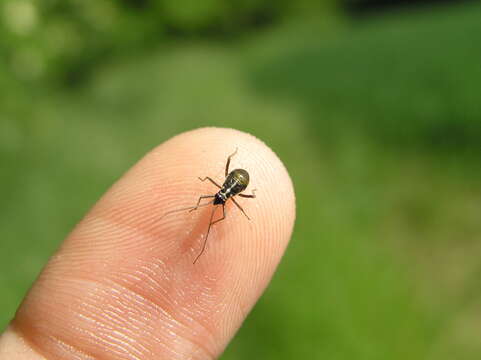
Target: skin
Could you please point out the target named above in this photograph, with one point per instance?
(123, 286)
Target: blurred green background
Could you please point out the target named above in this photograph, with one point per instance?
(376, 114)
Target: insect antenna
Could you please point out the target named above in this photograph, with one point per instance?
(186, 208)
(207, 235)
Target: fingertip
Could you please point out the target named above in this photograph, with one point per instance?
(249, 251)
(126, 266)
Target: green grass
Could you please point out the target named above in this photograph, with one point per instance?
(379, 126)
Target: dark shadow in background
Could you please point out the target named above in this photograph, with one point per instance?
(369, 7)
(410, 82)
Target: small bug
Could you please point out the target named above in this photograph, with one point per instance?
(235, 182)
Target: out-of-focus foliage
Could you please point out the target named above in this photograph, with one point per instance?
(63, 39)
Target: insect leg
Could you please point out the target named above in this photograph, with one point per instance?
(212, 181)
(240, 208)
(208, 229)
(228, 162)
(223, 215)
(253, 195)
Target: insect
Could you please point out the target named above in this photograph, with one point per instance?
(235, 182)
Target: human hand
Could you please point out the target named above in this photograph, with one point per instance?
(123, 286)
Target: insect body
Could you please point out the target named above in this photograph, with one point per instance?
(235, 182)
